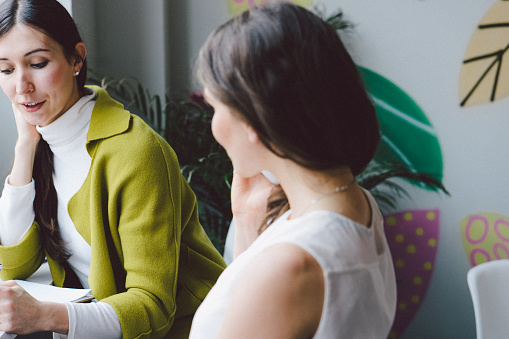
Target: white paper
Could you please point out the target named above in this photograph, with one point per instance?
(45, 292)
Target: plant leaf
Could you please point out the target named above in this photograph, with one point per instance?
(484, 75)
(335, 19)
(407, 135)
(377, 178)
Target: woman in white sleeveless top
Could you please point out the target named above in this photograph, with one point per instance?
(312, 260)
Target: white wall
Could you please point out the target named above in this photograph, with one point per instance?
(155, 41)
(203, 17)
(125, 38)
(8, 137)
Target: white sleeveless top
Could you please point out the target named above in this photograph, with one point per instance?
(360, 287)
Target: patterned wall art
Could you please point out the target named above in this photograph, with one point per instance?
(407, 134)
(484, 74)
(413, 239)
(440, 84)
(484, 78)
(412, 235)
(485, 237)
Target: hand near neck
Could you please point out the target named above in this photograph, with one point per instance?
(249, 207)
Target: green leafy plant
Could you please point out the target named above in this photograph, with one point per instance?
(377, 178)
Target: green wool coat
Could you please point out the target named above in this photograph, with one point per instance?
(151, 259)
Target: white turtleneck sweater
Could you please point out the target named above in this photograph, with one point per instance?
(67, 137)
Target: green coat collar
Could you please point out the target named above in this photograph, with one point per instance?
(108, 117)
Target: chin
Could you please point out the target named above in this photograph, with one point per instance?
(38, 122)
(247, 173)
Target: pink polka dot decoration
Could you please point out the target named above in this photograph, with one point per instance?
(485, 237)
(413, 239)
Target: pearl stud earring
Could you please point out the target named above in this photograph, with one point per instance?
(77, 73)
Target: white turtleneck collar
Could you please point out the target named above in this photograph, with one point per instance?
(68, 126)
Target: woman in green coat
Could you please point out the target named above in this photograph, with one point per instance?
(95, 191)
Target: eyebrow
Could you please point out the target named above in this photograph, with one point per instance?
(31, 52)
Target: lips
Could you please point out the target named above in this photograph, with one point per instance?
(33, 106)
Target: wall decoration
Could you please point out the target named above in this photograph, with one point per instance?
(485, 237)
(412, 236)
(484, 74)
(239, 6)
(454, 69)
(407, 137)
(407, 134)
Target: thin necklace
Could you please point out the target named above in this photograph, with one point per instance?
(325, 195)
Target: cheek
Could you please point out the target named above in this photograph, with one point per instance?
(9, 88)
(218, 127)
(53, 79)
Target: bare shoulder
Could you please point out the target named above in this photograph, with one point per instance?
(286, 261)
(280, 294)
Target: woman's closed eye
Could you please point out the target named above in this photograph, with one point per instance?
(40, 64)
(7, 71)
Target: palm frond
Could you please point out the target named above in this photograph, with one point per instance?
(377, 176)
(335, 19)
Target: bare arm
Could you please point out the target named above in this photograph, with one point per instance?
(16, 211)
(280, 295)
(24, 152)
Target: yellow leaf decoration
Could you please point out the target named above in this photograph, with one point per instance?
(484, 74)
(239, 6)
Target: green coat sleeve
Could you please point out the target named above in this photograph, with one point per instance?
(21, 260)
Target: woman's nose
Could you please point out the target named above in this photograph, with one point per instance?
(24, 84)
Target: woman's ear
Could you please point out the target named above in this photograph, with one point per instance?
(81, 54)
(252, 136)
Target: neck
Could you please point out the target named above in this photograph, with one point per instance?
(309, 190)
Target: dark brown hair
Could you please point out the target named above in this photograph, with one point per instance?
(287, 73)
(51, 18)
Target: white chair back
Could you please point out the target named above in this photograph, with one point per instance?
(489, 288)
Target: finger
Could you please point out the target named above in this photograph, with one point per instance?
(8, 283)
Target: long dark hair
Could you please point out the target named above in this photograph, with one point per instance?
(286, 72)
(51, 18)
